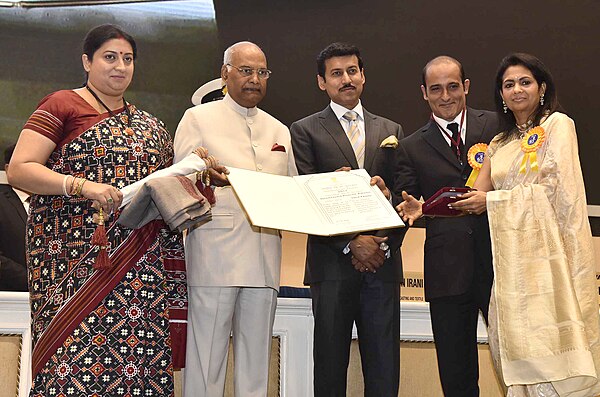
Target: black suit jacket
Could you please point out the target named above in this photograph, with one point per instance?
(13, 270)
(321, 145)
(453, 246)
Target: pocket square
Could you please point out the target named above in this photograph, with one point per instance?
(390, 141)
(278, 148)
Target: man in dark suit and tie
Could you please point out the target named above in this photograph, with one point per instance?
(458, 261)
(13, 270)
(352, 278)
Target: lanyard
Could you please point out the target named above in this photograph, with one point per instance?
(460, 126)
(127, 126)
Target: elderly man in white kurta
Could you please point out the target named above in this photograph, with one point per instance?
(233, 267)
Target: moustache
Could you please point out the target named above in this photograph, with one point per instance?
(347, 86)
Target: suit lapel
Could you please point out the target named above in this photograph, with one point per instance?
(372, 129)
(475, 127)
(15, 201)
(433, 136)
(332, 125)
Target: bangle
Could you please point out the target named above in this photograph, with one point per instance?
(210, 162)
(64, 186)
(200, 152)
(72, 187)
(203, 176)
(82, 181)
(79, 187)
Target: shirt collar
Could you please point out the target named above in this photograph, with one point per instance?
(3, 178)
(444, 123)
(245, 112)
(23, 196)
(340, 111)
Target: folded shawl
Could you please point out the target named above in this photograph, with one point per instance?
(175, 199)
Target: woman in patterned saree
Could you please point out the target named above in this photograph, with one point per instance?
(543, 321)
(98, 328)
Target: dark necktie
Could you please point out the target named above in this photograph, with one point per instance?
(457, 150)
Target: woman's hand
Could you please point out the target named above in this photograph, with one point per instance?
(106, 196)
(410, 209)
(217, 173)
(471, 203)
(201, 152)
(211, 161)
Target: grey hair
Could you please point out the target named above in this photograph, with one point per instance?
(228, 54)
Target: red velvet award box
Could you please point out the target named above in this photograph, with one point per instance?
(437, 205)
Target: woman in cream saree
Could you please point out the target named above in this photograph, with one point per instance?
(544, 325)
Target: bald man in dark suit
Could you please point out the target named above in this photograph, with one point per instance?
(458, 261)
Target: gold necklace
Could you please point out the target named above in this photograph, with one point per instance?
(523, 128)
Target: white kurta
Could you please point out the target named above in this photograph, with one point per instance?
(233, 268)
(229, 251)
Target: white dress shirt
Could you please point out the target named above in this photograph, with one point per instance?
(443, 124)
(340, 111)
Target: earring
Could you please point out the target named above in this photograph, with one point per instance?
(542, 100)
(504, 106)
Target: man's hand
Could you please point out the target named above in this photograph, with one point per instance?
(377, 180)
(410, 209)
(343, 169)
(366, 252)
(358, 265)
(218, 175)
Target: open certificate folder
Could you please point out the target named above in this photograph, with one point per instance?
(325, 204)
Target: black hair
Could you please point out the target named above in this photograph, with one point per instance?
(99, 35)
(337, 50)
(541, 74)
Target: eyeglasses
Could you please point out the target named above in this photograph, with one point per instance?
(245, 71)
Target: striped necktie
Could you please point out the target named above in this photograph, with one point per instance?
(354, 135)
